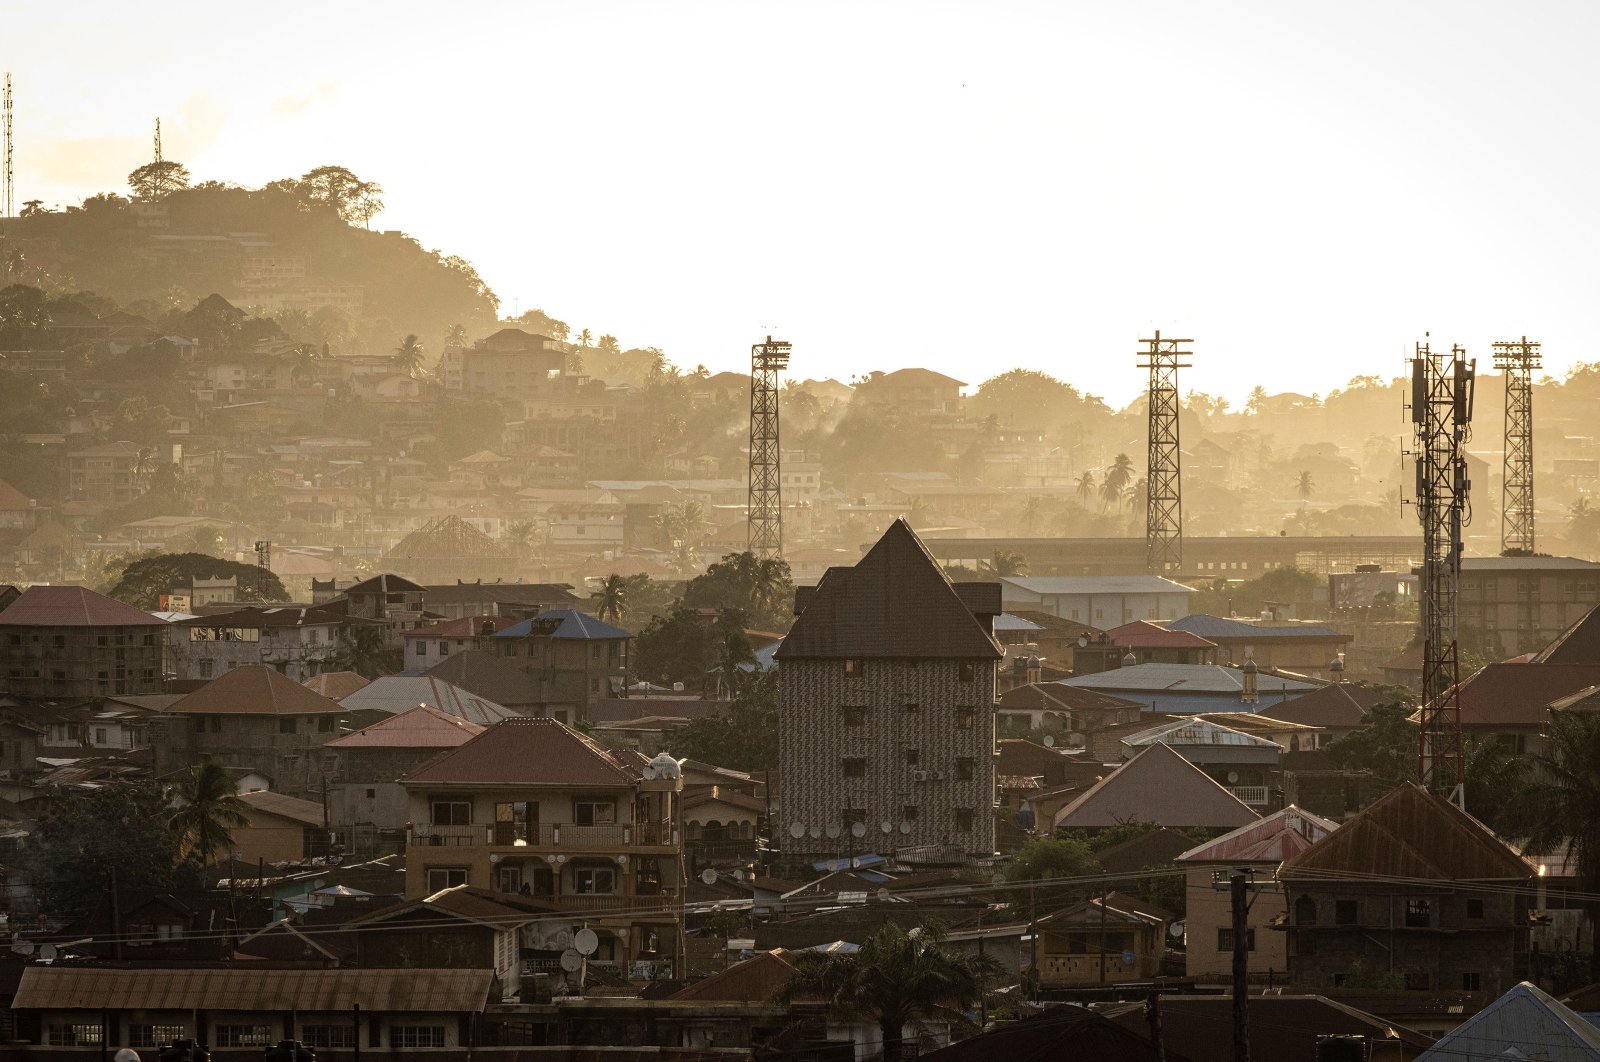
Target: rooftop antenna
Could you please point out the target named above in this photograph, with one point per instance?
(1517, 358)
(765, 505)
(1163, 484)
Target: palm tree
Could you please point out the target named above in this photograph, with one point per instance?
(770, 583)
(1305, 485)
(455, 336)
(408, 356)
(1118, 476)
(1085, 488)
(209, 808)
(1564, 803)
(1258, 395)
(145, 464)
(611, 599)
(896, 979)
(1004, 563)
(585, 337)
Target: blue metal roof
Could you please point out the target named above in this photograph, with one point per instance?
(574, 624)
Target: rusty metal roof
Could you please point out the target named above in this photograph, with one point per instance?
(1158, 786)
(382, 991)
(255, 689)
(423, 727)
(528, 752)
(73, 606)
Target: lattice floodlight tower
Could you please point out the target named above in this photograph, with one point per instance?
(1441, 413)
(765, 506)
(1164, 488)
(1517, 358)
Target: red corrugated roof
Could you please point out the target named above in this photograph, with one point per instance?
(12, 498)
(1141, 634)
(1578, 644)
(1517, 694)
(423, 727)
(1273, 839)
(528, 752)
(73, 606)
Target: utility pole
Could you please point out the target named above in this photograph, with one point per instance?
(1163, 484)
(1517, 358)
(1152, 1014)
(1238, 881)
(1441, 412)
(765, 505)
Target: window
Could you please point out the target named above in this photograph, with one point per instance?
(1471, 982)
(206, 667)
(416, 1036)
(286, 725)
(328, 723)
(594, 812)
(216, 724)
(1419, 913)
(1346, 912)
(342, 1035)
(1225, 939)
(1305, 911)
(850, 816)
(444, 649)
(855, 668)
(241, 1035)
(967, 670)
(1474, 907)
(515, 820)
(854, 714)
(446, 878)
(908, 813)
(598, 880)
(199, 724)
(854, 766)
(963, 820)
(913, 707)
(966, 768)
(913, 757)
(154, 1035)
(452, 812)
(965, 717)
(75, 1035)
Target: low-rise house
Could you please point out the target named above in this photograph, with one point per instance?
(68, 641)
(369, 762)
(461, 927)
(533, 808)
(1144, 642)
(1336, 710)
(392, 599)
(280, 828)
(1190, 689)
(479, 598)
(1073, 710)
(1510, 703)
(1208, 916)
(1101, 601)
(493, 677)
(1525, 1017)
(1104, 940)
(1247, 765)
(298, 642)
(1304, 648)
(1411, 885)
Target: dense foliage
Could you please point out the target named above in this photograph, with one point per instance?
(143, 581)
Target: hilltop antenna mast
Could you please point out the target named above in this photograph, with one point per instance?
(8, 196)
(158, 140)
(1163, 484)
(1517, 358)
(765, 506)
(1441, 412)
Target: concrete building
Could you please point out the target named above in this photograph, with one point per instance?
(887, 727)
(512, 363)
(298, 642)
(577, 658)
(533, 808)
(391, 599)
(68, 641)
(280, 829)
(369, 763)
(1514, 605)
(1303, 648)
(107, 474)
(1100, 601)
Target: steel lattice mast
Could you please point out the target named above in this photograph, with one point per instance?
(8, 195)
(1441, 412)
(1164, 488)
(765, 506)
(1517, 358)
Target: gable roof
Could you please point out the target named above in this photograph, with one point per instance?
(1158, 786)
(528, 752)
(466, 903)
(1056, 696)
(423, 727)
(401, 693)
(1220, 627)
(1185, 678)
(488, 675)
(250, 989)
(307, 812)
(72, 606)
(1524, 1016)
(1410, 833)
(755, 980)
(1578, 644)
(255, 689)
(12, 498)
(385, 583)
(1284, 833)
(336, 685)
(895, 602)
(1142, 634)
(1058, 1033)
(1516, 694)
(1197, 731)
(1339, 704)
(1066, 585)
(570, 624)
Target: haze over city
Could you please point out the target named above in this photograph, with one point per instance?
(1303, 190)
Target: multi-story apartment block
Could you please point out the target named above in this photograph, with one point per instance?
(107, 474)
(533, 808)
(576, 658)
(68, 641)
(391, 599)
(427, 646)
(887, 682)
(298, 642)
(514, 364)
(1515, 605)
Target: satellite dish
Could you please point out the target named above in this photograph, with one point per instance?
(797, 830)
(738, 875)
(1049, 741)
(126, 1054)
(648, 771)
(48, 952)
(25, 948)
(886, 826)
(586, 941)
(815, 831)
(834, 830)
(1083, 641)
(1175, 930)
(883, 894)
(905, 828)
(571, 961)
(858, 829)
(1233, 777)
(708, 876)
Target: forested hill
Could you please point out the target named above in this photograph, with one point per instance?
(296, 250)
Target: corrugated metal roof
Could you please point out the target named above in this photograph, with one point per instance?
(573, 624)
(401, 693)
(72, 606)
(1219, 627)
(1198, 732)
(423, 727)
(377, 991)
(528, 752)
(1578, 644)
(1183, 678)
(1142, 634)
(336, 685)
(1273, 839)
(255, 689)
(1054, 585)
(1158, 786)
(307, 812)
(1524, 1019)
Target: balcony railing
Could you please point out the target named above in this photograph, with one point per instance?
(543, 835)
(1254, 795)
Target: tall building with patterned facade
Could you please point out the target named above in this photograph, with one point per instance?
(887, 684)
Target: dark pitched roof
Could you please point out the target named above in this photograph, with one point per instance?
(1142, 634)
(72, 606)
(280, 616)
(423, 727)
(1516, 694)
(528, 752)
(1281, 1027)
(1158, 786)
(386, 583)
(1342, 704)
(1058, 1033)
(306, 812)
(252, 989)
(1578, 644)
(1410, 833)
(255, 689)
(755, 980)
(1154, 848)
(896, 602)
(1219, 627)
(489, 676)
(1054, 697)
(570, 623)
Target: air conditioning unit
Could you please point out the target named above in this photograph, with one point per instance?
(921, 776)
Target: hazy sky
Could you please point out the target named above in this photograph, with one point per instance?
(967, 186)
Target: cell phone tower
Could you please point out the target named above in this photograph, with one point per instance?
(1441, 414)
(1163, 481)
(1517, 358)
(765, 505)
(8, 203)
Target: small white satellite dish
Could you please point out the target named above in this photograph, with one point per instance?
(1233, 777)
(125, 1054)
(738, 875)
(797, 830)
(1175, 930)
(1049, 741)
(708, 876)
(586, 941)
(858, 829)
(886, 826)
(833, 829)
(816, 832)
(48, 952)
(648, 771)
(571, 961)
(494, 857)
(883, 894)
(905, 828)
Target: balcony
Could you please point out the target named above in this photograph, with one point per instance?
(1257, 796)
(554, 835)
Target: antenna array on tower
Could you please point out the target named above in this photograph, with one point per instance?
(765, 506)
(8, 194)
(1164, 491)
(1517, 358)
